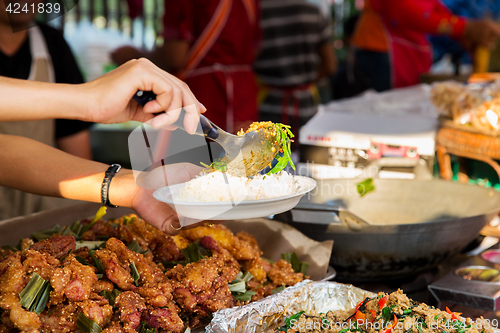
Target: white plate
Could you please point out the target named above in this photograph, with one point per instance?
(226, 210)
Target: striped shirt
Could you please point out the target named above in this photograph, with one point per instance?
(293, 31)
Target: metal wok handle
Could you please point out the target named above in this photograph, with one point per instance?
(419, 167)
(321, 214)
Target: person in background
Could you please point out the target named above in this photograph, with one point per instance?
(38, 52)
(296, 52)
(473, 9)
(211, 44)
(392, 47)
(348, 81)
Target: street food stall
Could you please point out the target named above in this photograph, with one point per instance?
(355, 215)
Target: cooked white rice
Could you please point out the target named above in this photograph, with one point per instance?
(213, 187)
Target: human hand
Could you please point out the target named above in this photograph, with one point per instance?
(125, 53)
(156, 213)
(110, 97)
(481, 32)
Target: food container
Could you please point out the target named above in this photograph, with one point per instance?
(269, 313)
(473, 284)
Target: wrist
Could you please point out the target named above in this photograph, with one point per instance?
(122, 188)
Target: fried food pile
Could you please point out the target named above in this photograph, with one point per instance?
(127, 276)
(383, 313)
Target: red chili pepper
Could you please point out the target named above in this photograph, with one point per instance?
(382, 302)
(374, 315)
(358, 305)
(391, 326)
(360, 316)
(454, 315)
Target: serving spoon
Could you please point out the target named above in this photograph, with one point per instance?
(246, 155)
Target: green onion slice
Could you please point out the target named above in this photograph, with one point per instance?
(135, 274)
(87, 325)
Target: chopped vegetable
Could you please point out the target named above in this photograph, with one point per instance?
(278, 290)
(35, 295)
(283, 137)
(391, 326)
(246, 296)
(82, 260)
(454, 315)
(97, 262)
(194, 252)
(145, 328)
(46, 234)
(382, 301)
(360, 316)
(87, 325)
(135, 274)
(365, 186)
(237, 286)
(128, 220)
(134, 246)
(216, 165)
(110, 296)
(91, 245)
(290, 321)
(407, 311)
(100, 213)
(298, 267)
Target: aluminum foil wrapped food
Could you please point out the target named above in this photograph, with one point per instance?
(270, 312)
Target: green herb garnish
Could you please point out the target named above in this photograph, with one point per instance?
(365, 186)
(128, 220)
(246, 296)
(46, 234)
(145, 328)
(217, 165)
(110, 296)
(35, 295)
(87, 325)
(134, 246)
(194, 252)
(298, 267)
(135, 274)
(97, 262)
(283, 137)
(290, 321)
(278, 290)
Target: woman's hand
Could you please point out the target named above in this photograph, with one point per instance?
(156, 213)
(110, 97)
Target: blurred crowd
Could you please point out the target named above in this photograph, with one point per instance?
(251, 60)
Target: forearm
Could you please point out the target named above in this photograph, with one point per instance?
(37, 168)
(30, 100)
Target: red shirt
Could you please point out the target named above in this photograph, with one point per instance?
(401, 27)
(221, 92)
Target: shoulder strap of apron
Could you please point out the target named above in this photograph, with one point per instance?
(208, 37)
(41, 64)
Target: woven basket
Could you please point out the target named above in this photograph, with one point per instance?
(468, 139)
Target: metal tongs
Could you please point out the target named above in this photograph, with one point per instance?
(246, 155)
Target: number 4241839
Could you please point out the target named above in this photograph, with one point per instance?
(40, 8)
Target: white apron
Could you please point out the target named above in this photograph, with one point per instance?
(13, 202)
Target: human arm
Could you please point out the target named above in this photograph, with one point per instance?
(107, 99)
(430, 17)
(37, 168)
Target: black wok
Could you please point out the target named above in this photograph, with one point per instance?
(402, 228)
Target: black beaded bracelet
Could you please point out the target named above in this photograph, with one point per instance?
(110, 173)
